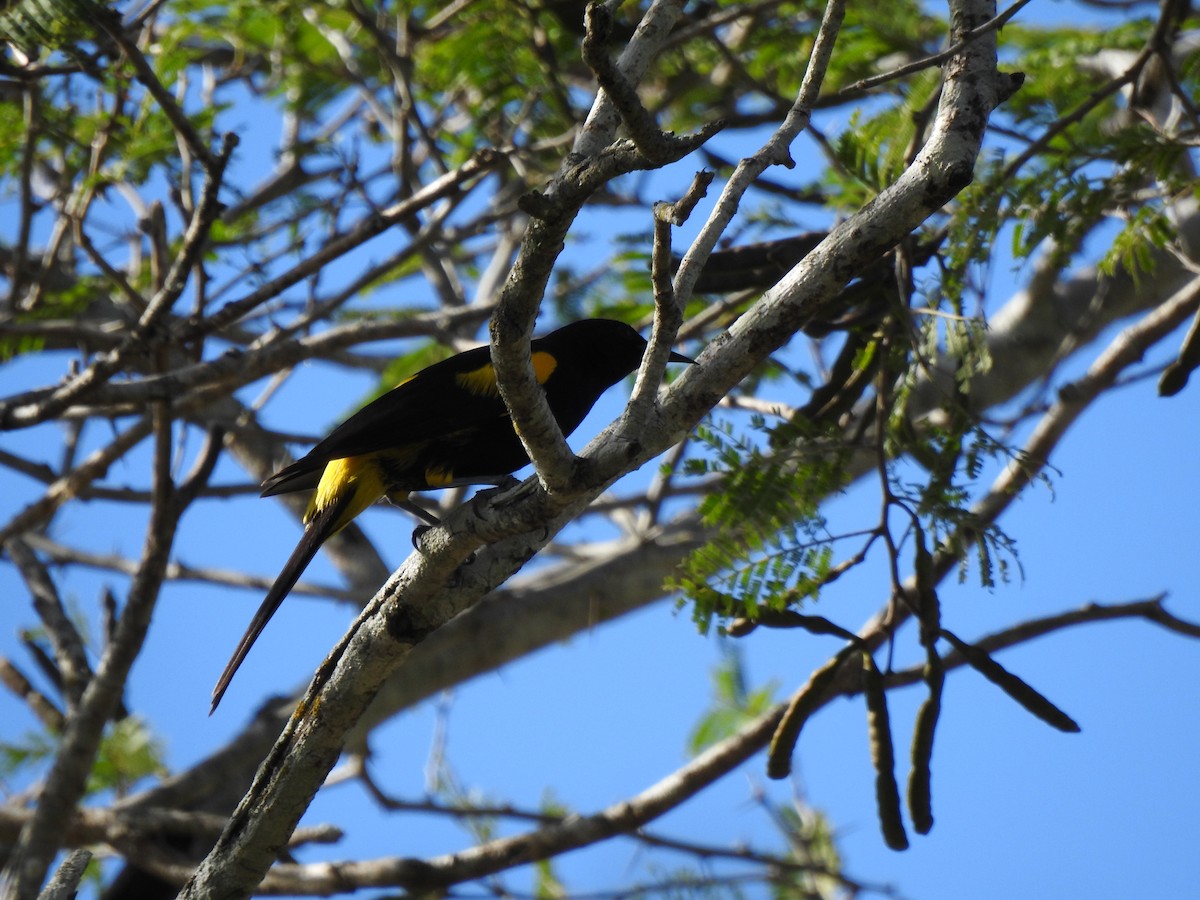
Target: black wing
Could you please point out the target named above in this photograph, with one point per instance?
(448, 397)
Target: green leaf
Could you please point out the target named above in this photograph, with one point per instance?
(129, 752)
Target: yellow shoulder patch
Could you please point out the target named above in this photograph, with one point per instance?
(436, 477)
(543, 366)
(482, 381)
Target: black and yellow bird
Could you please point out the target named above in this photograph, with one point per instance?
(446, 426)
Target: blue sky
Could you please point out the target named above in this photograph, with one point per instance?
(1021, 810)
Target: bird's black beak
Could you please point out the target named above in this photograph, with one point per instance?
(679, 357)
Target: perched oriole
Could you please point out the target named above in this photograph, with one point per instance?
(446, 426)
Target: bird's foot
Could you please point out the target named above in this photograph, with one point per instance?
(499, 486)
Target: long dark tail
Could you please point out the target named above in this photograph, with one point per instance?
(323, 524)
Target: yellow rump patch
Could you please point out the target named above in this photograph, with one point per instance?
(360, 475)
(482, 381)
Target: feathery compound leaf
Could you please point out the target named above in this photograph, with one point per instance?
(773, 550)
(35, 25)
(734, 702)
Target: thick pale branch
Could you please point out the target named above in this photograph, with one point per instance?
(554, 605)
(1125, 350)
(415, 600)
(64, 884)
(596, 161)
(652, 34)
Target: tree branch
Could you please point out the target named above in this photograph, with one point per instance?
(36, 514)
(67, 780)
(159, 306)
(70, 656)
(414, 601)
(627, 816)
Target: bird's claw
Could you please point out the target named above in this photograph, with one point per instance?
(418, 533)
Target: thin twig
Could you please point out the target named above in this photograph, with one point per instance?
(631, 814)
(858, 88)
(37, 513)
(69, 653)
(51, 717)
(145, 331)
(480, 164)
(109, 23)
(773, 152)
(67, 779)
(668, 315)
(64, 884)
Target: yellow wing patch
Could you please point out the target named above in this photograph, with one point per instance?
(482, 381)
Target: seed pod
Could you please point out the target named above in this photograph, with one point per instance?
(930, 611)
(920, 797)
(804, 703)
(887, 792)
(1019, 690)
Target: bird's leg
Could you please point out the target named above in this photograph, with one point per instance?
(404, 503)
(508, 483)
(499, 484)
(400, 500)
